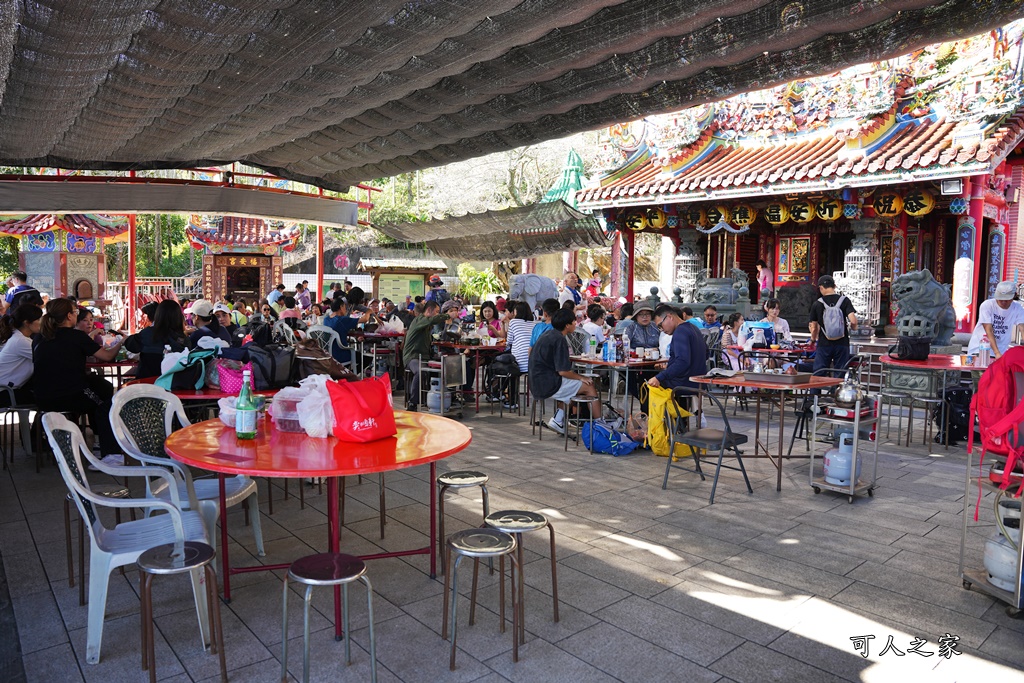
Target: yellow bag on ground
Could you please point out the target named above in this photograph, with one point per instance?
(658, 398)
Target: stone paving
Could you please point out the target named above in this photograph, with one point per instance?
(654, 585)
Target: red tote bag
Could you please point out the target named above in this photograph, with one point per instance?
(363, 410)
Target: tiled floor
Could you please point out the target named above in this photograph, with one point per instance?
(654, 585)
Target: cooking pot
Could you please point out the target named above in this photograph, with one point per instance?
(848, 393)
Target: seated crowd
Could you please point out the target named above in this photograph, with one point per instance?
(45, 352)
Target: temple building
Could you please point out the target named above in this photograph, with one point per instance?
(63, 254)
(241, 256)
(869, 173)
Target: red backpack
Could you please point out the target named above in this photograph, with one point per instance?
(1000, 412)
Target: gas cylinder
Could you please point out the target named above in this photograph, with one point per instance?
(838, 461)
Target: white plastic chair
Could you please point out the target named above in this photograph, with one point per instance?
(283, 333)
(328, 339)
(121, 545)
(142, 416)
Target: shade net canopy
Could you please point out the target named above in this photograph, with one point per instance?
(335, 93)
(508, 234)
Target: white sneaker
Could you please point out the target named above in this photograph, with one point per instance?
(556, 426)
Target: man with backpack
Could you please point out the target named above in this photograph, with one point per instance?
(832, 318)
(437, 293)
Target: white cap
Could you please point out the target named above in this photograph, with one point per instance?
(1005, 291)
(221, 307)
(201, 307)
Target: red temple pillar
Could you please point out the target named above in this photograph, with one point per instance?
(130, 302)
(319, 263)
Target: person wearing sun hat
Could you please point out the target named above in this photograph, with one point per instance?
(206, 323)
(1000, 319)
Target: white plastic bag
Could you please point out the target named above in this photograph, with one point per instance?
(315, 412)
(212, 343)
(170, 361)
(227, 410)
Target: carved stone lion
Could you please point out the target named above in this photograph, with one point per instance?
(924, 307)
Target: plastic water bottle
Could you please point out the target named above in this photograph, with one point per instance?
(625, 348)
(984, 354)
(592, 344)
(246, 410)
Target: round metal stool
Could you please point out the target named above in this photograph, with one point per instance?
(578, 401)
(326, 569)
(537, 417)
(480, 544)
(928, 430)
(501, 404)
(891, 397)
(517, 523)
(107, 491)
(163, 561)
(459, 479)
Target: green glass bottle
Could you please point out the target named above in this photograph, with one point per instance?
(245, 410)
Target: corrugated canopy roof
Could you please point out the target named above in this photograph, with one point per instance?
(333, 94)
(516, 233)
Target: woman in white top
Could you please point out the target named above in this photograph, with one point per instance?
(731, 337)
(16, 331)
(771, 313)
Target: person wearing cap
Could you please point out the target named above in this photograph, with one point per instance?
(222, 312)
(831, 353)
(417, 343)
(642, 334)
(437, 291)
(1000, 319)
(206, 323)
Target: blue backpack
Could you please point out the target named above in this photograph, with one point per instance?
(607, 440)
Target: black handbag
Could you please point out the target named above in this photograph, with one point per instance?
(911, 348)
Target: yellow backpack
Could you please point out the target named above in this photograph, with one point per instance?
(658, 399)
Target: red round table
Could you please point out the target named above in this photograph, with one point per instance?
(422, 438)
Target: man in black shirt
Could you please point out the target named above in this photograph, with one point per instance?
(551, 374)
(831, 353)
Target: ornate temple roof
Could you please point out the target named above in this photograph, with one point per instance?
(948, 110)
(85, 224)
(239, 231)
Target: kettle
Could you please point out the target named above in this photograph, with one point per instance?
(848, 393)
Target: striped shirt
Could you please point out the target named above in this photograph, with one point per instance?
(518, 341)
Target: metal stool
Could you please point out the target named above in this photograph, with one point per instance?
(537, 418)
(459, 479)
(481, 543)
(162, 560)
(507, 376)
(516, 523)
(107, 491)
(890, 397)
(929, 427)
(326, 569)
(578, 401)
